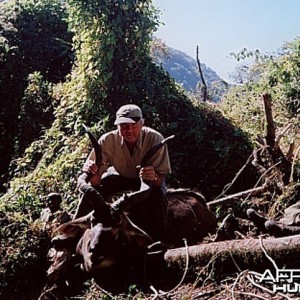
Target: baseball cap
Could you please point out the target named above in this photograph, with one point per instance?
(129, 113)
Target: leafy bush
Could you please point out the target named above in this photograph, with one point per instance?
(34, 37)
(277, 76)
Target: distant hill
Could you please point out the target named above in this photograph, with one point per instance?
(184, 70)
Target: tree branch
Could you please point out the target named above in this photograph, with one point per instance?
(251, 192)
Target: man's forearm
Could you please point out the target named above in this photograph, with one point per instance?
(95, 180)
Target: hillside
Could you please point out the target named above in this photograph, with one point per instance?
(184, 70)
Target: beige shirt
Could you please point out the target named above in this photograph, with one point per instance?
(115, 153)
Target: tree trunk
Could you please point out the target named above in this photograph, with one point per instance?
(227, 257)
(284, 168)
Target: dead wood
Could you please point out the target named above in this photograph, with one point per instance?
(275, 154)
(234, 197)
(202, 77)
(227, 257)
(270, 136)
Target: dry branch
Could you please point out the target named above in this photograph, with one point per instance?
(281, 135)
(234, 197)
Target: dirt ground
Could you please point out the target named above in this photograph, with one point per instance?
(238, 288)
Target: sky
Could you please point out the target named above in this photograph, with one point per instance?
(219, 27)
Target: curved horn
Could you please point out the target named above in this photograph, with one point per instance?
(153, 150)
(96, 146)
(84, 178)
(128, 200)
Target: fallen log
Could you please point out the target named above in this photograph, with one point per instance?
(228, 257)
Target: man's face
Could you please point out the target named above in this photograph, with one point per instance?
(130, 132)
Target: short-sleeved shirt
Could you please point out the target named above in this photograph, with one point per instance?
(116, 153)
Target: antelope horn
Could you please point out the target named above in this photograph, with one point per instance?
(96, 146)
(153, 150)
(84, 178)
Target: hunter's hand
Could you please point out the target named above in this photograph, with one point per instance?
(90, 167)
(148, 173)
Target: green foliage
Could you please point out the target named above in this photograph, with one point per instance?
(33, 38)
(11, 85)
(283, 78)
(36, 112)
(242, 105)
(19, 251)
(38, 30)
(112, 47)
(278, 76)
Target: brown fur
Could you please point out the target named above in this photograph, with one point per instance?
(188, 217)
